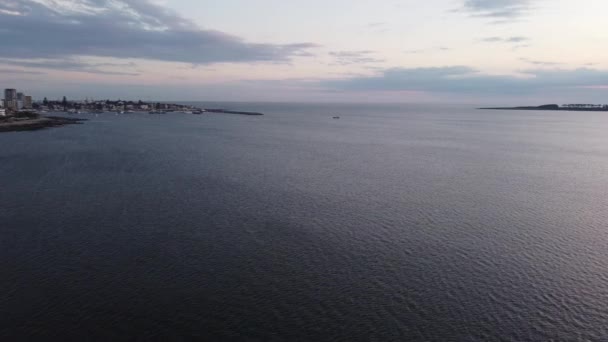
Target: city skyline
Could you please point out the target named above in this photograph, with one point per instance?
(14, 101)
(473, 51)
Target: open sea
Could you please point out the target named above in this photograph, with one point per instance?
(393, 223)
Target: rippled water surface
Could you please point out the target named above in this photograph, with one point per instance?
(393, 223)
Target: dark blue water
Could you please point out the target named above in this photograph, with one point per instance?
(393, 223)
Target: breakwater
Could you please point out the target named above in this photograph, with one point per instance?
(225, 111)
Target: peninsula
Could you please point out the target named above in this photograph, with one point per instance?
(127, 107)
(554, 107)
(28, 121)
(15, 102)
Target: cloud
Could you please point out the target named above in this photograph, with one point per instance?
(354, 57)
(70, 64)
(376, 24)
(377, 27)
(498, 9)
(514, 39)
(136, 29)
(433, 49)
(20, 72)
(463, 79)
(540, 63)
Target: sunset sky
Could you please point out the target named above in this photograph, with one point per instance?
(471, 51)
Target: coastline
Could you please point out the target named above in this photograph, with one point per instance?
(38, 123)
(551, 107)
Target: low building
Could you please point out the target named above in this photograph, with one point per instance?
(10, 105)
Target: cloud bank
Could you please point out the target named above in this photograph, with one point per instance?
(134, 29)
(498, 9)
(70, 64)
(354, 57)
(514, 39)
(463, 79)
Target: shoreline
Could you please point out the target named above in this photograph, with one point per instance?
(38, 123)
(551, 107)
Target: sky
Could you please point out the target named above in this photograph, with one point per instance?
(449, 51)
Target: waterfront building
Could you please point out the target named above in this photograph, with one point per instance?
(27, 102)
(10, 94)
(10, 105)
(10, 99)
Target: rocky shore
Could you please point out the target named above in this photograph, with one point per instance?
(12, 124)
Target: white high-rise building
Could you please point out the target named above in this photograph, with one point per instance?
(20, 101)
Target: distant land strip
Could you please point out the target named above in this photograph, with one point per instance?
(225, 111)
(571, 108)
